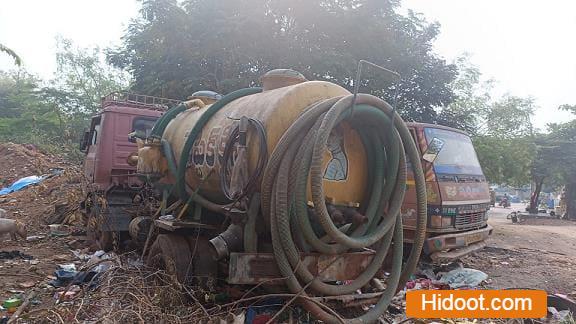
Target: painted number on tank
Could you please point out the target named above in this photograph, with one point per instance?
(211, 147)
(209, 152)
(199, 151)
(224, 138)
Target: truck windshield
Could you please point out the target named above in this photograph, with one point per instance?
(457, 155)
(142, 126)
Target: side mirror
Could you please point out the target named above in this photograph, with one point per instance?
(132, 137)
(434, 147)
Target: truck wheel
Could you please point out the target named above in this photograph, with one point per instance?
(172, 254)
(205, 267)
(104, 240)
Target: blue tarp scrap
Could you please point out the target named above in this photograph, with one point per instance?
(21, 184)
(31, 180)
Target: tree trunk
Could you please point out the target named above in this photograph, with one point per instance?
(535, 197)
(571, 200)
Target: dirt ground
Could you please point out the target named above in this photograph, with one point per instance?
(539, 253)
(35, 207)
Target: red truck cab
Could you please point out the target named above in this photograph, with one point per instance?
(113, 183)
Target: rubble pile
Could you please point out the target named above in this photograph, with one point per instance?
(54, 200)
(21, 160)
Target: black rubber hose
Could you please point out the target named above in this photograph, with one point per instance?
(252, 183)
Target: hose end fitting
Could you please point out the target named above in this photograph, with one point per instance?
(231, 240)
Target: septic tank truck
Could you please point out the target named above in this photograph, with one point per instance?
(297, 185)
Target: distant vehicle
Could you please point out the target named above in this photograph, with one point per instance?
(504, 202)
(458, 193)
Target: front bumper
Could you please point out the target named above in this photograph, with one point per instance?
(460, 240)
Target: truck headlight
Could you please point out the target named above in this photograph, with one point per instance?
(439, 221)
(436, 221)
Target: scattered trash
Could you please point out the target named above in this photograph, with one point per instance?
(167, 217)
(80, 255)
(14, 254)
(35, 238)
(463, 277)
(64, 275)
(58, 230)
(30, 180)
(425, 283)
(21, 184)
(78, 243)
(27, 284)
(559, 316)
(560, 304)
(262, 312)
(68, 294)
(67, 267)
(96, 263)
(12, 304)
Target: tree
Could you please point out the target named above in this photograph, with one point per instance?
(504, 139)
(554, 163)
(472, 99)
(510, 117)
(17, 59)
(501, 128)
(83, 77)
(175, 49)
(53, 114)
(25, 117)
(506, 161)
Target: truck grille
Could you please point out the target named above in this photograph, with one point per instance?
(469, 220)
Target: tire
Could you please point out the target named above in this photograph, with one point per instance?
(104, 240)
(172, 254)
(205, 267)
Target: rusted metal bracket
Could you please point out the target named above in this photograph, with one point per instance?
(254, 268)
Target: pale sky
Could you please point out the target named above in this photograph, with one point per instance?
(528, 47)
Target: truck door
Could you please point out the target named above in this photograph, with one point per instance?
(91, 147)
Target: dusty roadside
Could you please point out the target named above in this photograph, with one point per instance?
(537, 254)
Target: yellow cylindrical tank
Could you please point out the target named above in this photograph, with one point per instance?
(276, 109)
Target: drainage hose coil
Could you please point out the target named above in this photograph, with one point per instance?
(298, 158)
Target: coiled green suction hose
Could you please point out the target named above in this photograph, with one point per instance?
(298, 156)
(165, 119)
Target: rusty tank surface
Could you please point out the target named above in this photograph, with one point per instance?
(296, 185)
